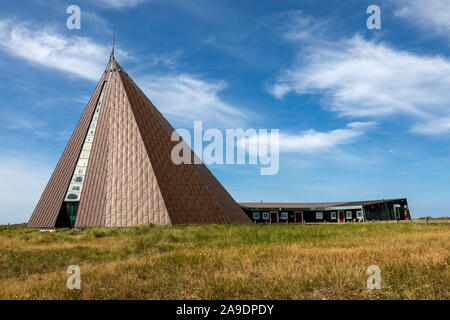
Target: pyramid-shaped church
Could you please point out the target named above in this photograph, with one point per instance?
(116, 170)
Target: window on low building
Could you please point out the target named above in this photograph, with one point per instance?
(284, 215)
(333, 215)
(359, 214)
(348, 214)
(255, 215)
(319, 215)
(265, 215)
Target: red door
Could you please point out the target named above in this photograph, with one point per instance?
(341, 216)
(273, 217)
(298, 217)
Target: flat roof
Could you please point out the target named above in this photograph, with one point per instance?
(306, 205)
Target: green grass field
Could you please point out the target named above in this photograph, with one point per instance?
(228, 262)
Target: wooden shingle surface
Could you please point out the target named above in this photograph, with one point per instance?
(131, 179)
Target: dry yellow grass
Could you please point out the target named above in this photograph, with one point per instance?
(229, 262)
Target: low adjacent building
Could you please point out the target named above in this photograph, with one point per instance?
(333, 212)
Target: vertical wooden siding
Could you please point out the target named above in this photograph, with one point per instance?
(191, 195)
(120, 187)
(91, 211)
(49, 205)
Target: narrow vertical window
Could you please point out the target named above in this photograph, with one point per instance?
(76, 185)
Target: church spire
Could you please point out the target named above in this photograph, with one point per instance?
(117, 169)
(113, 42)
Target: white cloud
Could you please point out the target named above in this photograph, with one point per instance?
(310, 141)
(96, 22)
(434, 126)
(313, 141)
(186, 98)
(182, 96)
(27, 123)
(120, 3)
(361, 78)
(22, 183)
(430, 14)
(43, 45)
(16, 121)
(162, 62)
(301, 27)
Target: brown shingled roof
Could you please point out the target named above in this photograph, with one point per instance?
(130, 178)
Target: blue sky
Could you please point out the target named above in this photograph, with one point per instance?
(363, 114)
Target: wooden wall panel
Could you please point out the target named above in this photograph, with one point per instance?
(188, 196)
(133, 196)
(91, 211)
(49, 205)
